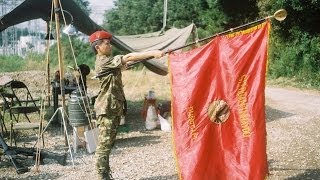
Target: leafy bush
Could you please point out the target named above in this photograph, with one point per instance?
(11, 63)
(82, 52)
(298, 59)
(35, 61)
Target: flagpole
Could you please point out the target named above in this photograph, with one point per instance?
(279, 15)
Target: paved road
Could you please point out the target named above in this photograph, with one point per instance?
(293, 139)
(296, 101)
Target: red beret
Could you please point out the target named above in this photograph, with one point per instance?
(99, 35)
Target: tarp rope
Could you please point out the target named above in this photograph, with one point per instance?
(82, 93)
(87, 109)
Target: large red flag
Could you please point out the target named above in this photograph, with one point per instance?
(218, 100)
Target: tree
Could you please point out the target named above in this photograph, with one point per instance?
(143, 16)
(299, 41)
(239, 12)
(134, 17)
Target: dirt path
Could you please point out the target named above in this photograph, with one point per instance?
(293, 140)
(293, 120)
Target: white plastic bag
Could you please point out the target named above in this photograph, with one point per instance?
(164, 123)
(91, 137)
(151, 119)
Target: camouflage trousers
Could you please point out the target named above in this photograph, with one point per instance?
(107, 135)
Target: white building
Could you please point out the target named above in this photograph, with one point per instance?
(28, 44)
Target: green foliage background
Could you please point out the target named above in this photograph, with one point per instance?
(82, 52)
(294, 48)
(11, 63)
(295, 42)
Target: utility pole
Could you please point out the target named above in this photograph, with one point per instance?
(15, 34)
(9, 35)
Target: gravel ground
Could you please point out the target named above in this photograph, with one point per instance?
(293, 141)
(293, 119)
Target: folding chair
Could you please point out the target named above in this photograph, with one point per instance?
(4, 81)
(16, 107)
(22, 93)
(3, 126)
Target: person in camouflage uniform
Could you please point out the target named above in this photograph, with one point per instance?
(110, 101)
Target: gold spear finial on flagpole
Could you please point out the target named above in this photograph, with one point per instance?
(280, 15)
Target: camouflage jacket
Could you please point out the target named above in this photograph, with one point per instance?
(111, 97)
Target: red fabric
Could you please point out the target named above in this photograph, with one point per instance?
(230, 68)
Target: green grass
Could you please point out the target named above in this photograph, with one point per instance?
(291, 83)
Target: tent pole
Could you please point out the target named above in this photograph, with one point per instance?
(48, 63)
(56, 17)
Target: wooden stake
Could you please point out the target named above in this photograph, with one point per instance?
(56, 15)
